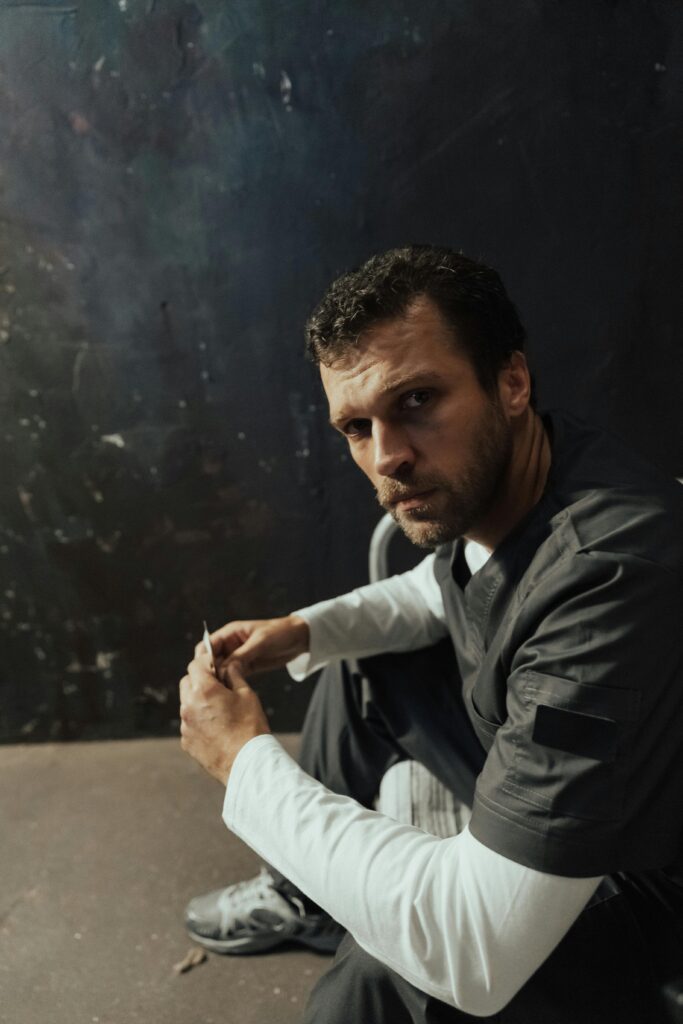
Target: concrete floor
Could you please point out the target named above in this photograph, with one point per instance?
(101, 846)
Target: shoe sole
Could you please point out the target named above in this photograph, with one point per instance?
(263, 943)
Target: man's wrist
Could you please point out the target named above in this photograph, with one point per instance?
(302, 634)
(229, 764)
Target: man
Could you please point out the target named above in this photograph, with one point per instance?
(532, 664)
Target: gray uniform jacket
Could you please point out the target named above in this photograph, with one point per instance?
(568, 644)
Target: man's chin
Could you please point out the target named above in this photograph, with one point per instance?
(424, 533)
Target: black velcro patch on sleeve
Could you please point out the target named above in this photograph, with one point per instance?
(575, 733)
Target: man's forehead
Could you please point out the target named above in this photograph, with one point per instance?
(386, 382)
(394, 353)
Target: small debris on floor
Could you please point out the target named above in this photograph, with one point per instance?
(192, 958)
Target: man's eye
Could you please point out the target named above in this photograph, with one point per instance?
(355, 428)
(415, 399)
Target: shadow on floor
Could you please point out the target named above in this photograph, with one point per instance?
(101, 847)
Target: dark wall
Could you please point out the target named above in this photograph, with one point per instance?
(179, 181)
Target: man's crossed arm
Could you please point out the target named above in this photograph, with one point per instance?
(454, 918)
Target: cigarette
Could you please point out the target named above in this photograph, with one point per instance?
(207, 644)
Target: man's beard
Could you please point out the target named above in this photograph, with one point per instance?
(458, 505)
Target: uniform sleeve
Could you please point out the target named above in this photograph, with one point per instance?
(453, 918)
(401, 613)
(584, 775)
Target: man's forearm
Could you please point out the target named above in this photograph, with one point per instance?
(401, 613)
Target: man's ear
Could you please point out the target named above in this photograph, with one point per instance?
(514, 386)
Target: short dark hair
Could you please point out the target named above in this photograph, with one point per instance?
(469, 294)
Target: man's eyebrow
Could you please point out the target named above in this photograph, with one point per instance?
(414, 379)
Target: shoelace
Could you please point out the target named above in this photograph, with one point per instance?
(242, 895)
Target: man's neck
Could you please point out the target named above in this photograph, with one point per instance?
(522, 485)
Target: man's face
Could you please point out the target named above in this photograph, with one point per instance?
(433, 443)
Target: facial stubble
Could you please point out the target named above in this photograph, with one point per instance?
(462, 503)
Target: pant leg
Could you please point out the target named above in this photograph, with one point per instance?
(603, 972)
(600, 973)
(396, 706)
(359, 989)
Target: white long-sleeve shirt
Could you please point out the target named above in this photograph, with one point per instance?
(401, 613)
(453, 917)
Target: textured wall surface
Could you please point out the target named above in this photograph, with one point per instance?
(178, 183)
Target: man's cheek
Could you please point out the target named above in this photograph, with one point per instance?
(363, 457)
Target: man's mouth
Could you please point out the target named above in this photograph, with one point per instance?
(411, 500)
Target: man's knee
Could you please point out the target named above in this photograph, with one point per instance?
(358, 987)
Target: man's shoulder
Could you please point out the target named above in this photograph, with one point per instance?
(609, 500)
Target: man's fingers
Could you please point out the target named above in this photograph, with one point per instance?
(224, 640)
(250, 653)
(234, 672)
(200, 671)
(227, 639)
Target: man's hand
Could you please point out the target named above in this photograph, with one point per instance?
(216, 720)
(259, 645)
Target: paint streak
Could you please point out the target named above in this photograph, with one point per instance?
(114, 439)
(286, 90)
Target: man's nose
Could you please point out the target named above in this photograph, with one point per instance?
(393, 452)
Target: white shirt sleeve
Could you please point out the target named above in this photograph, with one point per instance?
(401, 613)
(454, 918)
